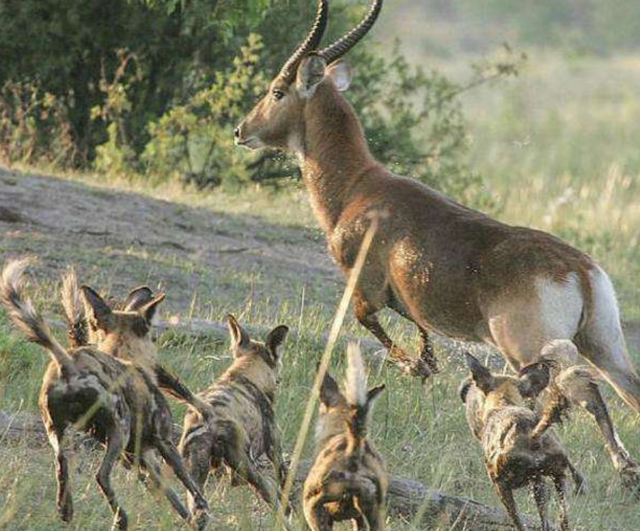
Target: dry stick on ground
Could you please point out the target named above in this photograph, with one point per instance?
(408, 498)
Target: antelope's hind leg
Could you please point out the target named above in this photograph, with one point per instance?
(366, 315)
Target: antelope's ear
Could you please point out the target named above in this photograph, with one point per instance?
(239, 335)
(480, 375)
(276, 338)
(534, 378)
(148, 310)
(310, 73)
(98, 312)
(137, 298)
(330, 394)
(341, 75)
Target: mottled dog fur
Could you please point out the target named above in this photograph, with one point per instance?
(83, 331)
(243, 426)
(348, 480)
(519, 447)
(115, 401)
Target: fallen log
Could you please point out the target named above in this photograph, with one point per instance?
(408, 499)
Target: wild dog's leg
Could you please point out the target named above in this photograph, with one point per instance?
(159, 483)
(116, 443)
(170, 454)
(274, 453)
(365, 313)
(371, 510)
(541, 497)
(196, 452)
(579, 483)
(316, 515)
(506, 496)
(65, 501)
(560, 483)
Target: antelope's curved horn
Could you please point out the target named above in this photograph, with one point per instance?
(310, 43)
(336, 50)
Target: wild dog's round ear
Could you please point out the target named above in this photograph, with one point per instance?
(97, 310)
(137, 297)
(310, 73)
(276, 338)
(534, 378)
(239, 336)
(148, 310)
(330, 394)
(481, 376)
(341, 74)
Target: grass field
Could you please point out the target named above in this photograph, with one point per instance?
(559, 148)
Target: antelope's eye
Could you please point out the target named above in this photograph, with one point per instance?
(278, 94)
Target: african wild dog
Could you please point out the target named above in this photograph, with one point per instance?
(519, 448)
(348, 480)
(83, 331)
(115, 401)
(243, 426)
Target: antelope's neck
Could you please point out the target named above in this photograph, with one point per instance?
(335, 155)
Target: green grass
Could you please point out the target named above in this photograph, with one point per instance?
(559, 147)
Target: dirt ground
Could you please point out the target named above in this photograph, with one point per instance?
(119, 240)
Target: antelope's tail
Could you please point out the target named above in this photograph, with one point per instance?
(25, 316)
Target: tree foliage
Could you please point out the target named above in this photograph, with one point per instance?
(154, 87)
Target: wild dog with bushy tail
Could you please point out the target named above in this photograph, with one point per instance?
(85, 329)
(115, 401)
(520, 449)
(243, 427)
(348, 480)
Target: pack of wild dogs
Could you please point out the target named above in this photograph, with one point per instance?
(547, 307)
(109, 383)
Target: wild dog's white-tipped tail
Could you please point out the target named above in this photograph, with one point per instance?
(356, 377)
(74, 309)
(25, 316)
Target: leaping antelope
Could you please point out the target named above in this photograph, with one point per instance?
(443, 266)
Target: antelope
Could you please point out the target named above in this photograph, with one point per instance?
(444, 267)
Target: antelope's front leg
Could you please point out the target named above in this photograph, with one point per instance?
(365, 313)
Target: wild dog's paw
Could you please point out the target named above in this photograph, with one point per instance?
(200, 518)
(120, 521)
(630, 476)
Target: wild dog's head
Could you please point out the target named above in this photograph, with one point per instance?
(123, 333)
(349, 410)
(260, 361)
(501, 390)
